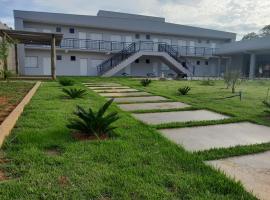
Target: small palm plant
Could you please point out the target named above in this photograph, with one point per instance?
(145, 82)
(74, 93)
(94, 123)
(184, 90)
(66, 82)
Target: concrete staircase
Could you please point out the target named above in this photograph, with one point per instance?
(172, 63)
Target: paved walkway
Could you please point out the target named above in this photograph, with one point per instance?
(252, 170)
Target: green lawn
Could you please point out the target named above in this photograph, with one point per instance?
(138, 163)
(10, 95)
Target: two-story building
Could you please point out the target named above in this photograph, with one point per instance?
(113, 43)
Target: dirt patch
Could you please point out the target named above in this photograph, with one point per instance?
(81, 136)
(3, 177)
(63, 181)
(53, 152)
(3, 100)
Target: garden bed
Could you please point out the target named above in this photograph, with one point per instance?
(11, 93)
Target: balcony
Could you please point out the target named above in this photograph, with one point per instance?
(114, 46)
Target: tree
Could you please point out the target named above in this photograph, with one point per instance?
(250, 36)
(4, 51)
(231, 79)
(265, 31)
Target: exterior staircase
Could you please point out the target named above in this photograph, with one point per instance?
(134, 51)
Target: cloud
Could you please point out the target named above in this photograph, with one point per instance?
(240, 16)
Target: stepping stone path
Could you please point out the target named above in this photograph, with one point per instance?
(178, 116)
(152, 106)
(252, 170)
(139, 99)
(126, 94)
(218, 136)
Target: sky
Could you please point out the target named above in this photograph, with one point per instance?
(239, 16)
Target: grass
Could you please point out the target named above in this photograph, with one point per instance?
(138, 163)
(11, 93)
(213, 97)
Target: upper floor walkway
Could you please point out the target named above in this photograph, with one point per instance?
(115, 46)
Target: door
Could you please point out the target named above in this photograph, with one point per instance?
(182, 47)
(83, 66)
(93, 67)
(82, 40)
(213, 46)
(47, 66)
(128, 40)
(95, 43)
(192, 47)
(116, 42)
(155, 41)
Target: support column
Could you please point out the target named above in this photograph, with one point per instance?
(252, 66)
(5, 66)
(219, 66)
(16, 58)
(53, 58)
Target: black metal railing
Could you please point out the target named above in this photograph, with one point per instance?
(117, 58)
(102, 45)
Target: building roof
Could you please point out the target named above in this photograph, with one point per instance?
(244, 46)
(124, 22)
(29, 37)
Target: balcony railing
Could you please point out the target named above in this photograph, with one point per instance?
(114, 46)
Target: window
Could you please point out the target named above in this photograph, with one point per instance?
(137, 61)
(31, 61)
(147, 61)
(207, 41)
(199, 41)
(58, 29)
(206, 62)
(147, 37)
(198, 62)
(73, 58)
(71, 30)
(58, 57)
(137, 36)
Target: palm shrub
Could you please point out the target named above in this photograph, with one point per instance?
(145, 82)
(74, 92)
(184, 90)
(66, 81)
(94, 123)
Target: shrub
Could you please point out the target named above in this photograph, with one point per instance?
(94, 123)
(66, 82)
(231, 79)
(184, 90)
(208, 82)
(74, 92)
(266, 103)
(145, 82)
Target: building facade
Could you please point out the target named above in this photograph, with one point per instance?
(118, 44)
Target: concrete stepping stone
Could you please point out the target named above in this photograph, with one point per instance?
(108, 87)
(252, 170)
(112, 90)
(179, 116)
(152, 106)
(218, 136)
(139, 99)
(102, 84)
(124, 94)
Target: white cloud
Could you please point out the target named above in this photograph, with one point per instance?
(240, 16)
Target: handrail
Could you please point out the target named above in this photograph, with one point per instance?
(103, 45)
(117, 58)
